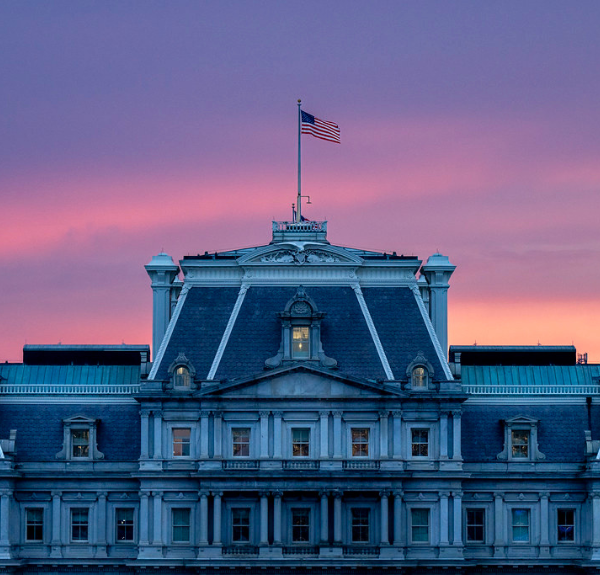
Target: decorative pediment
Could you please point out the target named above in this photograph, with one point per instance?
(79, 419)
(301, 381)
(300, 253)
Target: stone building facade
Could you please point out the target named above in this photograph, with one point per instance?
(301, 414)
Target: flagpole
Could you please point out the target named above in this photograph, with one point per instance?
(298, 203)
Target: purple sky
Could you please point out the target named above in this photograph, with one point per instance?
(468, 127)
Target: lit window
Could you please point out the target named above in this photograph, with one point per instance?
(520, 525)
(300, 342)
(35, 524)
(520, 443)
(420, 442)
(566, 525)
(80, 443)
(300, 525)
(181, 442)
(241, 441)
(360, 526)
(419, 378)
(79, 524)
(182, 377)
(360, 442)
(476, 525)
(420, 525)
(240, 525)
(300, 442)
(124, 520)
(181, 525)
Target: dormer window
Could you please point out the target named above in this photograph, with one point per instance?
(300, 342)
(80, 439)
(301, 333)
(182, 377)
(419, 378)
(521, 440)
(80, 443)
(419, 373)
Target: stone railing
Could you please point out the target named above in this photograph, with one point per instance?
(358, 550)
(476, 389)
(240, 464)
(63, 389)
(306, 226)
(240, 550)
(300, 464)
(351, 464)
(300, 550)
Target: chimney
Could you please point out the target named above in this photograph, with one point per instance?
(162, 272)
(437, 272)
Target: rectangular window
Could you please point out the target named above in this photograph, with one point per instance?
(181, 441)
(124, 521)
(520, 525)
(240, 525)
(566, 525)
(300, 442)
(300, 525)
(240, 437)
(181, 525)
(420, 525)
(520, 443)
(79, 524)
(360, 525)
(300, 342)
(476, 525)
(80, 442)
(420, 442)
(35, 524)
(360, 442)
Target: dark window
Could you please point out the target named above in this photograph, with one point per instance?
(240, 437)
(566, 525)
(240, 525)
(476, 525)
(420, 525)
(420, 442)
(300, 442)
(360, 525)
(35, 524)
(80, 440)
(181, 525)
(300, 525)
(79, 524)
(520, 525)
(124, 520)
(181, 442)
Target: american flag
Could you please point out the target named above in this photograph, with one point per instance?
(320, 128)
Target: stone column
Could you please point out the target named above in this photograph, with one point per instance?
(56, 542)
(385, 535)
(383, 434)
(101, 525)
(157, 434)
(595, 526)
(324, 434)
(337, 518)
(217, 517)
(158, 522)
(456, 428)
(324, 517)
(397, 431)
(444, 524)
(337, 434)
(277, 433)
(264, 434)
(144, 519)
(218, 435)
(398, 539)
(457, 499)
(203, 451)
(203, 518)
(4, 524)
(264, 519)
(145, 431)
(544, 523)
(443, 436)
(277, 518)
(498, 526)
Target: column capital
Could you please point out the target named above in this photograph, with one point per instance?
(445, 494)
(277, 413)
(397, 413)
(157, 493)
(337, 413)
(544, 495)
(157, 412)
(324, 413)
(337, 494)
(384, 413)
(277, 493)
(264, 493)
(398, 493)
(216, 493)
(457, 494)
(144, 494)
(56, 493)
(145, 412)
(217, 414)
(498, 495)
(324, 493)
(594, 495)
(456, 413)
(102, 494)
(204, 493)
(264, 413)
(204, 413)
(384, 493)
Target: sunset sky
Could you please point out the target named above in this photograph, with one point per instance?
(131, 127)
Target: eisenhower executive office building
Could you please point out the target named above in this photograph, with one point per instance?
(300, 415)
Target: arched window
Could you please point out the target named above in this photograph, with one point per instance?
(182, 377)
(419, 378)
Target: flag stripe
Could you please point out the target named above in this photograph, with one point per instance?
(321, 129)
